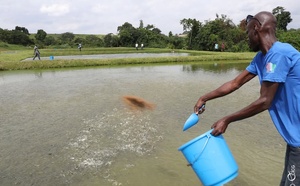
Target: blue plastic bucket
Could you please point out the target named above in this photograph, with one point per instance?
(210, 159)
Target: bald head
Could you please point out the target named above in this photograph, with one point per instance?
(262, 31)
(267, 19)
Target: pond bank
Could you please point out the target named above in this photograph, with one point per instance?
(102, 57)
(111, 56)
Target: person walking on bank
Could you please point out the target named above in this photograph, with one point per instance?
(277, 66)
(36, 53)
(79, 47)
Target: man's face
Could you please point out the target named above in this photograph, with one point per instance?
(253, 39)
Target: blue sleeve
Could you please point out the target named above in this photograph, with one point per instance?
(251, 68)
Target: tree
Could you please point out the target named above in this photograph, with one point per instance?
(186, 23)
(4, 35)
(176, 42)
(125, 26)
(283, 17)
(40, 35)
(128, 34)
(141, 24)
(220, 31)
(149, 27)
(93, 40)
(110, 40)
(291, 37)
(192, 27)
(22, 29)
(19, 38)
(49, 40)
(79, 40)
(156, 30)
(67, 37)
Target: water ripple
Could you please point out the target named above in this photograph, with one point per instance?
(107, 136)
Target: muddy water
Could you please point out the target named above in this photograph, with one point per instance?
(70, 127)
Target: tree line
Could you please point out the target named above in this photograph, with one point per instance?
(196, 35)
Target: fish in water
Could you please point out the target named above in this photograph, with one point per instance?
(137, 103)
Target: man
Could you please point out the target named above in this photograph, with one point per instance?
(222, 47)
(137, 46)
(79, 47)
(278, 67)
(36, 52)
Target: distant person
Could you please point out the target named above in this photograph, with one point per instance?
(36, 53)
(142, 46)
(216, 46)
(222, 47)
(79, 47)
(136, 46)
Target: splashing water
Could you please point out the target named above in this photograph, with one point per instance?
(106, 137)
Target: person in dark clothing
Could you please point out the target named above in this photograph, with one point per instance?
(36, 53)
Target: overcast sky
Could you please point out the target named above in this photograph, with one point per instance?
(104, 16)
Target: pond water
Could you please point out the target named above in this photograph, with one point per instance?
(70, 127)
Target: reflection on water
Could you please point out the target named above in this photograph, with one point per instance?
(71, 127)
(216, 67)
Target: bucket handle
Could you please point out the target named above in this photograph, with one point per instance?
(190, 164)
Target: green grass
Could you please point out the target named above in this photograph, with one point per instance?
(11, 57)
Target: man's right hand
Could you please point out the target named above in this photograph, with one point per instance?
(199, 108)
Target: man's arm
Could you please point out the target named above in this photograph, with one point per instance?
(224, 89)
(267, 93)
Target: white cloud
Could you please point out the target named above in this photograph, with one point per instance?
(100, 8)
(55, 9)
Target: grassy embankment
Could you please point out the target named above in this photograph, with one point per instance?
(11, 57)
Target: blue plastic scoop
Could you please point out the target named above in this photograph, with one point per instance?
(192, 120)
